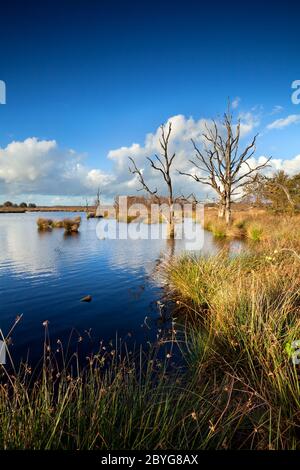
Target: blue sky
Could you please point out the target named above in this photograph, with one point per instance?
(94, 76)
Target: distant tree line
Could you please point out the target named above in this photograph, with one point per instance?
(23, 204)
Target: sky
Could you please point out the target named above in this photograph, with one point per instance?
(88, 83)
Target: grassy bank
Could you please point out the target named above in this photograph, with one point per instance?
(245, 315)
(254, 225)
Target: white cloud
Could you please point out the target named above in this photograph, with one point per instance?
(236, 102)
(284, 122)
(249, 122)
(26, 161)
(39, 170)
(291, 166)
(41, 167)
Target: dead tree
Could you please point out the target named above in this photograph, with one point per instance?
(97, 199)
(162, 164)
(221, 163)
(98, 203)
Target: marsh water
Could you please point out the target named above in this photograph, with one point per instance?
(44, 276)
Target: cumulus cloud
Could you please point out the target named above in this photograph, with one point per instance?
(41, 167)
(42, 170)
(291, 166)
(284, 122)
(249, 122)
(26, 161)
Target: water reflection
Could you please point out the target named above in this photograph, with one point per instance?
(43, 275)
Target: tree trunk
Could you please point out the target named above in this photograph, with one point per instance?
(171, 230)
(221, 213)
(228, 210)
(171, 224)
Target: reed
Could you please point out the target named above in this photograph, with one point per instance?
(117, 401)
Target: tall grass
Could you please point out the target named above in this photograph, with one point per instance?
(116, 402)
(254, 225)
(254, 232)
(248, 307)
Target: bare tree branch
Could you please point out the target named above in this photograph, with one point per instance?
(162, 165)
(223, 163)
(136, 171)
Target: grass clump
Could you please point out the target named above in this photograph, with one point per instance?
(216, 226)
(58, 224)
(72, 225)
(255, 232)
(218, 230)
(44, 224)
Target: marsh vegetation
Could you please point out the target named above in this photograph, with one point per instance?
(70, 225)
(223, 378)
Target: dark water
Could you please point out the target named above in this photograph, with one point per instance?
(44, 275)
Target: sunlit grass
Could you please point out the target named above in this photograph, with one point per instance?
(254, 225)
(249, 308)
